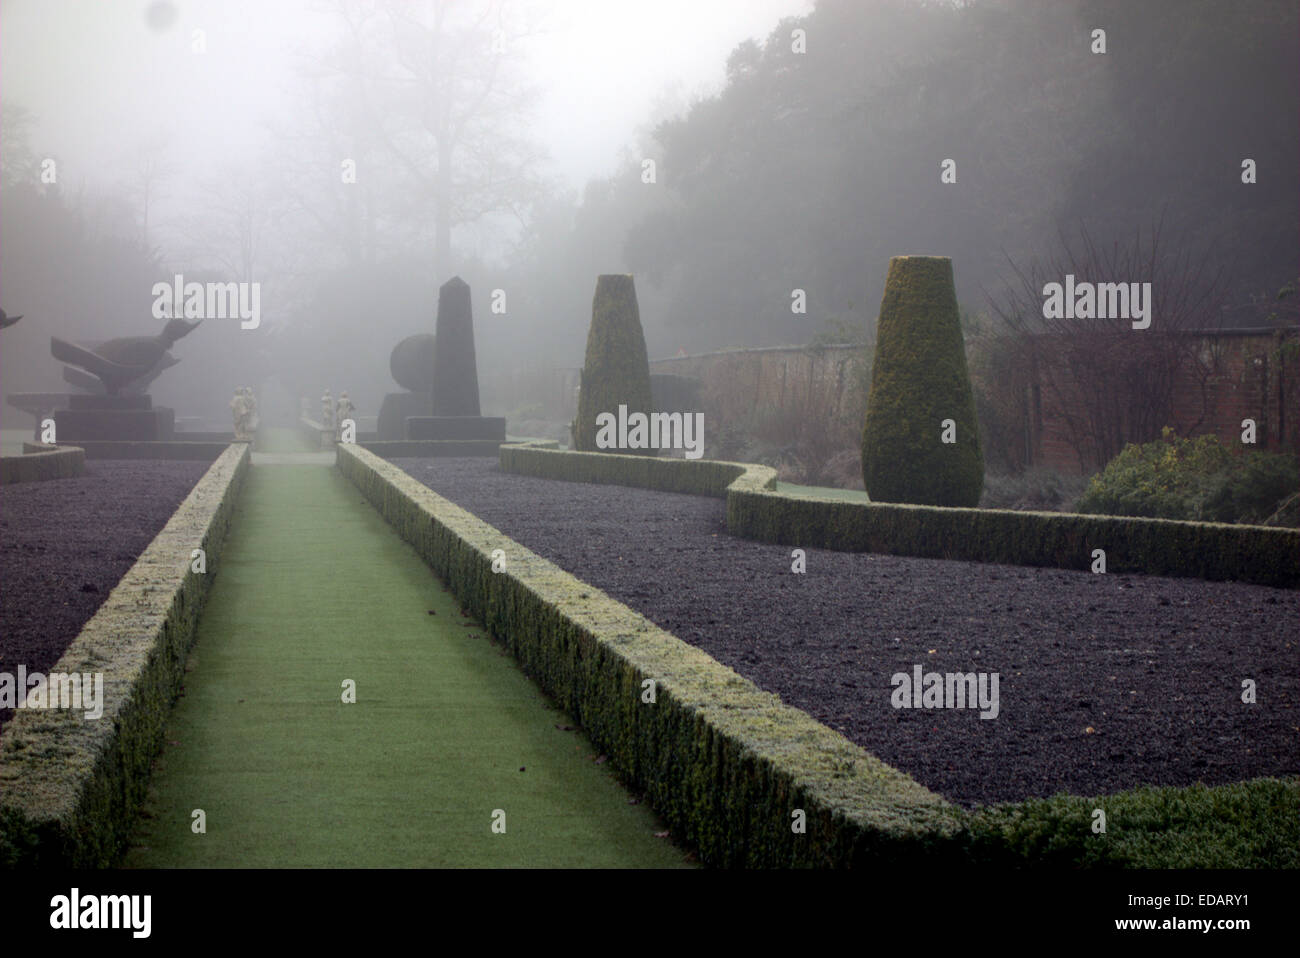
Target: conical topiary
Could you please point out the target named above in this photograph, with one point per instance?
(919, 380)
(616, 371)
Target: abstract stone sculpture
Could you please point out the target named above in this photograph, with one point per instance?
(455, 371)
(411, 364)
(121, 361)
(118, 365)
(92, 384)
(455, 403)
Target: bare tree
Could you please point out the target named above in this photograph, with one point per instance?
(17, 160)
(150, 170)
(428, 93)
(1106, 382)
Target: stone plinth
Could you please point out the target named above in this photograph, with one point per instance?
(121, 418)
(396, 409)
(456, 427)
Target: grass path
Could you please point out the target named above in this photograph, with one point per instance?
(822, 492)
(315, 589)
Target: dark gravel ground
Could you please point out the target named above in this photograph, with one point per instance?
(1106, 682)
(65, 543)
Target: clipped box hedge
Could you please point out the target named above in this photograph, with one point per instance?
(69, 787)
(1252, 824)
(1207, 550)
(702, 477)
(432, 448)
(148, 449)
(40, 462)
(725, 763)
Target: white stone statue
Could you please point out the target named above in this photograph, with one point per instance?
(239, 412)
(345, 410)
(254, 420)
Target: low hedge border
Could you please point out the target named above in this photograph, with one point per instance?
(40, 462)
(432, 448)
(1206, 550)
(1252, 824)
(69, 787)
(701, 477)
(140, 449)
(725, 763)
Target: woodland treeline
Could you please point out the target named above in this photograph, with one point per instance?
(807, 170)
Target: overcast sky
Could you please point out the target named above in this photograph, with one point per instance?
(104, 83)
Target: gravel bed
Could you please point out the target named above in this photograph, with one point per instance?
(1105, 682)
(65, 543)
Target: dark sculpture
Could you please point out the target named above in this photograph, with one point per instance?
(454, 393)
(91, 384)
(411, 363)
(455, 372)
(121, 361)
(6, 320)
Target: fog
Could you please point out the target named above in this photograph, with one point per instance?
(350, 157)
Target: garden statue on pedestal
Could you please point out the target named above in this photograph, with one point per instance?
(239, 411)
(253, 419)
(346, 410)
(327, 411)
(118, 364)
(244, 408)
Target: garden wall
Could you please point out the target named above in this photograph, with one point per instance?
(1237, 374)
(779, 377)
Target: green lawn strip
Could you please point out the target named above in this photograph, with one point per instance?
(314, 589)
(275, 439)
(821, 492)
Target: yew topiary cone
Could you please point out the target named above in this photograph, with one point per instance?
(616, 371)
(918, 381)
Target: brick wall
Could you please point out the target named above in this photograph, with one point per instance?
(1253, 373)
(782, 377)
(1243, 374)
